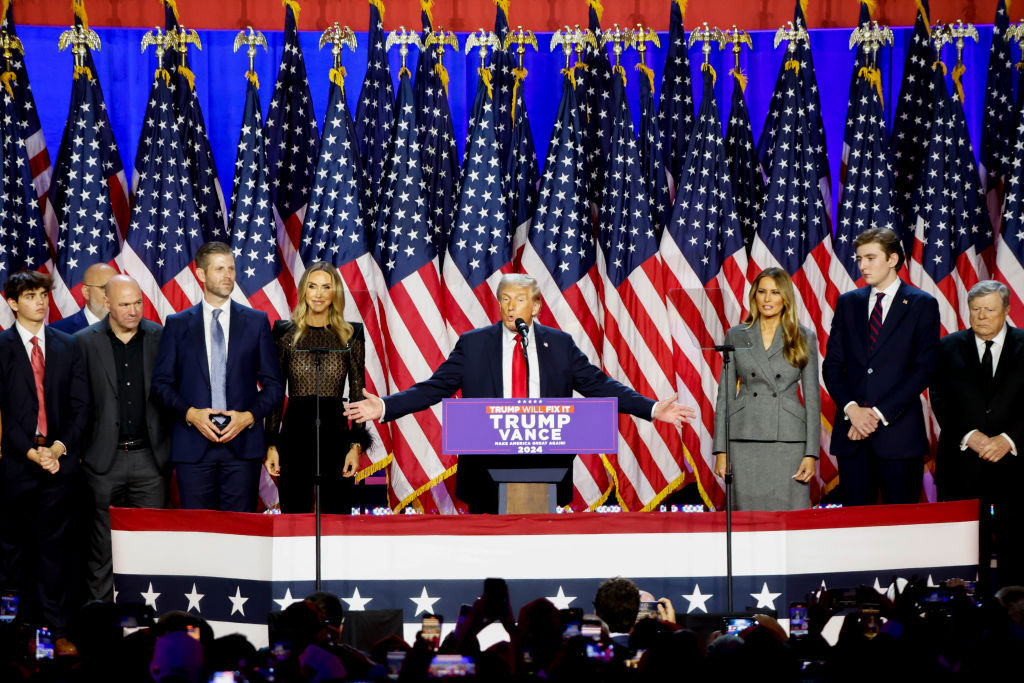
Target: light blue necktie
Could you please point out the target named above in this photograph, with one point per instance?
(218, 365)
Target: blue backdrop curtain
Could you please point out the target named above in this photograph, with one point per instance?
(126, 76)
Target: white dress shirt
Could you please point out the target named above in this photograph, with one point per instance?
(890, 294)
(509, 340)
(997, 348)
(26, 340)
(225, 323)
(90, 317)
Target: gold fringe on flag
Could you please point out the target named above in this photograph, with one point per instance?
(253, 78)
(413, 498)
(7, 78)
(872, 6)
(78, 8)
(173, 7)
(682, 7)
(189, 76)
(924, 15)
(570, 74)
(294, 4)
(379, 4)
(520, 75)
(373, 468)
(338, 76)
(83, 70)
(741, 78)
(404, 71)
(958, 72)
(939, 64)
(617, 69)
(703, 68)
(442, 73)
(164, 74)
(485, 76)
(427, 6)
(503, 4)
(793, 65)
(597, 7)
(803, 8)
(4, 4)
(873, 75)
(646, 71)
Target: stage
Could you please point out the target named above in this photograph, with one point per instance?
(232, 568)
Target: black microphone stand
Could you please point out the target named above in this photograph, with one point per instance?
(318, 352)
(727, 350)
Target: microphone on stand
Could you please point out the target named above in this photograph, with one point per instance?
(523, 331)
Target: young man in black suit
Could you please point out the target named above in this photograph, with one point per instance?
(44, 403)
(977, 394)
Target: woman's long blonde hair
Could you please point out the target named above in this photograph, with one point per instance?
(794, 345)
(335, 314)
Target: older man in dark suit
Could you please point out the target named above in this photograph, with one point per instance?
(977, 393)
(487, 362)
(217, 372)
(94, 280)
(44, 403)
(879, 359)
(127, 445)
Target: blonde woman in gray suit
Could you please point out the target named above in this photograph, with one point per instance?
(773, 436)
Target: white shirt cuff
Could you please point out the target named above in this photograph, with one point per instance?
(880, 416)
(1013, 446)
(967, 437)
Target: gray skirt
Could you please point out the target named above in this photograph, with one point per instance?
(763, 476)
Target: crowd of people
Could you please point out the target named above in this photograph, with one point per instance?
(102, 418)
(922, 633)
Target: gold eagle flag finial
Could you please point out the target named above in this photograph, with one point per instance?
(251, 39)
(79, 38)
(403, 39)
(338, 37)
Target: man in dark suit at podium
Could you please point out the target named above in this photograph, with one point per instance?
(488, 362)
(977, 393)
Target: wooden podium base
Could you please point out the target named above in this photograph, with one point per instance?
(528, 499)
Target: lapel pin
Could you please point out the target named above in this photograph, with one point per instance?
(905, 301)
(545, 344)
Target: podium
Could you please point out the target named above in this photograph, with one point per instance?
(533, 441)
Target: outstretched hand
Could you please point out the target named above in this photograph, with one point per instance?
(370, 408)
(676, 413)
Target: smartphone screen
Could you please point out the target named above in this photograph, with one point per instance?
(431, 630)
(648, 610)
(44, 644)
(738, 624)
(444, 666)
(798, 619)
(8, 606)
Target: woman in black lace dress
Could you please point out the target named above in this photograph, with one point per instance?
(291, 432)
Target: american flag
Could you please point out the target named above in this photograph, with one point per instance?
(292, 139)
(213, 212)
(637, 343)
(503, 78)
(86, 190)
(997, 123)
(675, 103)
(794, 233)
(336, 231)
(594, 93)
(799, 51)
(522, 175)
(744, 168)
(706, 282)
(31, 132)
(253, 232)
(374, 113)
(652, 153)
(1010, 252)
(437, 141)
(410, 314)
(561, 254)
(913, 119)
(862, 60)
(22, 238)
(165, 230)
(480, 247)
(868, 196)
(948, 212)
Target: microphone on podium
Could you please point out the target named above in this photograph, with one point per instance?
(523, 330)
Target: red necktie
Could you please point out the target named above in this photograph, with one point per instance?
(519, 388)
(38, 370)
(875, 324)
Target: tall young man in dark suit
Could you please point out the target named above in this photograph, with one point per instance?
(217, 372)
(127, 445)
(44, 403)
(485, 364)
(94, 280)
(880, 355)
(977, 393)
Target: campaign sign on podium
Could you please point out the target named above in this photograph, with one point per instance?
(530, 425)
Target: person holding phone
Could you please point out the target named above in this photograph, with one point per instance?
(774, 438)
(217, 372)
(317, 323)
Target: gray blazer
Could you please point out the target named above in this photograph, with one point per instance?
(766, 406)
(101, 438)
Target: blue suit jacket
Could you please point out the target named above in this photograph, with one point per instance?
(72, 323)
(181, 378)
(891, 377)
(65, 389)
(474, 366)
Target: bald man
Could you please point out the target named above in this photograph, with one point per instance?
(95, 278)
(127, 446)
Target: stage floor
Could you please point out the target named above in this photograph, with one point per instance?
(232, 568)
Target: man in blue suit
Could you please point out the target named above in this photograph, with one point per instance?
(217, 372)
(44, 403)
(93, 281)
(881, 352)
(485, 363)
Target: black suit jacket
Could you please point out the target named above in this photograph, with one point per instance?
(962, 402)
(100, 441)
(72, 324)
(66, 392)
